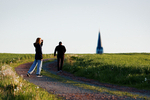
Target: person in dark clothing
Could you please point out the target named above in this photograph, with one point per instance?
(38, 58)
(60, 49)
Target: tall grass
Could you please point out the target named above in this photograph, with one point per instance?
(8, 58)
(121, 69)
(13, 87)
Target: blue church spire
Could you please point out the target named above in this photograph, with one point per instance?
(99, 49)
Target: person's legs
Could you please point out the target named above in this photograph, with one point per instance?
(39, 67)
(58, 63)
(32, 67)
(62, 62)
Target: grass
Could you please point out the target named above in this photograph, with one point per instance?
(121, 69)
(127, 69)
(13, 87)
(8, 58)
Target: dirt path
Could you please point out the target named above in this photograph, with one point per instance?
(71, 92)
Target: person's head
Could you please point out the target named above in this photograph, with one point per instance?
(38, 41)
(60, 43)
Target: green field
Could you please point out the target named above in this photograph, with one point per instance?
(128, 69)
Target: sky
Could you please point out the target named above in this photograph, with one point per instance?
(124, 25)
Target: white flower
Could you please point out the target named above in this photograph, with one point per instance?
(21, 85)
(3, 67)
(22, 76)
(145, 79)
(37, 87)
(14, 89)
(17, 88)
(16, 81)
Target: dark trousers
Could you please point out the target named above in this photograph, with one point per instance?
(60, 61)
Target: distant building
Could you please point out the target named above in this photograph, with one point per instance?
(99, 49)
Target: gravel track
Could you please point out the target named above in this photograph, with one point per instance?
(70, 92)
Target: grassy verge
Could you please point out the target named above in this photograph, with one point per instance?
(131, 70)
(13, 87)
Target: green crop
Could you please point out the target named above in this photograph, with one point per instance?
(129, 69)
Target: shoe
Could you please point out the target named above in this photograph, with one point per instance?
(58, 71)
(28, 74)
(39, 76)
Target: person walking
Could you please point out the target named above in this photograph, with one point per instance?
(38, 58)
(60, 49)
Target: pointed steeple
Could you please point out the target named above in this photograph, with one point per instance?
(99, 49)
(99, 41)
